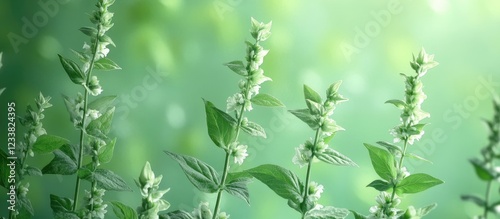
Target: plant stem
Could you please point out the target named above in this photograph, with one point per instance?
(309, 165)
(486, 200)
(226, 165)
(400, 165)
(85, 109)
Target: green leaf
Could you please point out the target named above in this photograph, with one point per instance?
(201, 175)
(327, 139)
(89, 31)
(101, 126)
(254, 129)
(474, 199)
(237, 67)
(60, 204)
(221, 126)
(417, 183)
(238, 188)
(416, 157)
(102, 104)
(390, 146)
(48, 143)
(314, 108)
(33, 171)
(358, 215)
(106, 152)
(305, 116)
(2, 90)
(310, 94)
(266, 100)
(383, 162)
(106, 64)
(421, 212)
(64, 161)
(333, 88)
(398, 103)
(66, 215)
(328, 212)
(331, 156)
(25, 205)
(282, 181)
(380, 185)
(108, 180)
(179, 214)
(106, 38)
(4, 171)
(123, 211)
(481, 171)
(73, 70)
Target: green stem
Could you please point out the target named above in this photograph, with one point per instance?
(486, 200)
(309, 165)
(400, 165)
(85, 109)
(226, 165)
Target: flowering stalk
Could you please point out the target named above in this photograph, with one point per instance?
(224, 129)
(389, 163)
(486, 169)
(33, 122)
(152, 201)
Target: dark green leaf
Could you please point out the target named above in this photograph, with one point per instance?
(106, 152)
(123, 211)
(106, 64)
(89, 31)
(102, 104)
(383, 162)
(108, 180)
(48, 143)
(201, 175)
(380, 185)
(417, 183)
(64, 162)
(25, 205)
(481, 171)
(60, 204)
(33, 171)
(331, 156)
(328, 212)
(237, 67)
(73, 70)
(398, 103)
(305, 116)
(221, 126)
(310, 94)
(101, 126)
(266, 100)
(238, 188)
(282, 181)
(474, 199)
(254, 129)
(358, 215)
(179, 214)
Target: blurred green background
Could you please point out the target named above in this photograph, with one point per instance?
(172, 52)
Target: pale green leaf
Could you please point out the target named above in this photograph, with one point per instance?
(266, 100)
(221, 126)
(417, 183)
(383, 162)
(106, 64)
(282, 181)
(305, 116)
(334, 157)
(254, 129)
(237, 67)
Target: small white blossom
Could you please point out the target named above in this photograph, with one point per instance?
(234, 102)
(315, 191)
(239, 152)
(302, 156)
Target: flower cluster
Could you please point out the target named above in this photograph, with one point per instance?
(319, 120)
(386, 207)
(252, 73)
(152, 201)
(95, 207)
(32, 121)
(203, 212)
(410, 129)
(238, 151)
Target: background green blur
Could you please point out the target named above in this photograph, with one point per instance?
(172, 54)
